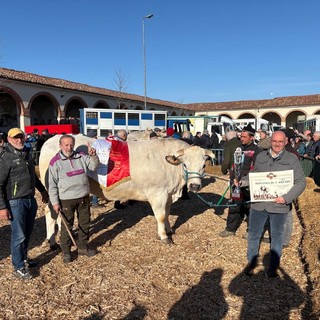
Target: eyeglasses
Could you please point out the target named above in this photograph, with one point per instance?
(19, 137)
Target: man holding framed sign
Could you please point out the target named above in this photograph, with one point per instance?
(283, 181)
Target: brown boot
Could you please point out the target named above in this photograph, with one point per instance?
(87, 252)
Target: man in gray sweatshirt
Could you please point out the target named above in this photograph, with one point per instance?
(69, 193)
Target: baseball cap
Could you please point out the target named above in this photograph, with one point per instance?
(15, 132)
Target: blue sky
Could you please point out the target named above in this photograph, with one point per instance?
(196, 51)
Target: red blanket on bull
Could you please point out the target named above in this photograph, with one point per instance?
(114, 166)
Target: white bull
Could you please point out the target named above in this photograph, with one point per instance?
(158, 168)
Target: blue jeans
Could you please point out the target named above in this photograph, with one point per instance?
(94, 200)
(288, 227)
(256, 228)
(23, 213)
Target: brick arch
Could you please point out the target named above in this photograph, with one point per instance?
(16, 98)
(271, 116)
(74, 112)
(246, 115)
(13, 109)
(100, 104)
(317, 112)
(49, 114)
(290, 117)
(226, 114)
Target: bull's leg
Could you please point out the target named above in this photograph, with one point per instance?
(166, 220)
(159, 206)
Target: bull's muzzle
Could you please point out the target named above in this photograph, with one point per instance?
(194, 187)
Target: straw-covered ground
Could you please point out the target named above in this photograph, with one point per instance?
(134, 276)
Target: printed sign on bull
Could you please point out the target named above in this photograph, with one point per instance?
(267, 186)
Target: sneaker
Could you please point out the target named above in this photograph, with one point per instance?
(248, 269)
(66, 258)
(226, 233)
(54, 247)
(87, 252)
(29, 263)
(23, 274)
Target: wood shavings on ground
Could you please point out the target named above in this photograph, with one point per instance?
(134, 276)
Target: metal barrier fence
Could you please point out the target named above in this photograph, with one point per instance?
(35, 156)
(219, 156)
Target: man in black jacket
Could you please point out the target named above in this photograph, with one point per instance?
(17, 202)
(238, 212)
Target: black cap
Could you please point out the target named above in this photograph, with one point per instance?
(289, 133)
(249, 129)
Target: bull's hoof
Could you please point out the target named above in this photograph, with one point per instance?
(167, 241)
(170, 233)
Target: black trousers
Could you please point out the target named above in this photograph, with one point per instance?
(80, 206)
(238, 213)
(316, 172)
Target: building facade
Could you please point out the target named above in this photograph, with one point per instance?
(29, 99)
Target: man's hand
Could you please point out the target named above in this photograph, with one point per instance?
(237, 183)
(56, 208)
(280, 200)
(91, 151)
(5, 214)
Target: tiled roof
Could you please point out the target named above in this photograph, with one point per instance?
(218, 106)
(69, 85)
(254, 104)
(209, 106)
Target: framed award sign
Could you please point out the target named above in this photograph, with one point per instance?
(267, 186)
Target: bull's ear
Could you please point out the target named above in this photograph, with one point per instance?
(209, 154)
(173, 160)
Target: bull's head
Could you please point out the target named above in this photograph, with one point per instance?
(193, 162)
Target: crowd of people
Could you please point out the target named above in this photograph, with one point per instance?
(69, 194)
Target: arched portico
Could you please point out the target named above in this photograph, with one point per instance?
(247, 115)
(292, 117)
(73, 106)
(12, 110)
(43, 109)
(101, 105)
(272, 116)
(228, 115)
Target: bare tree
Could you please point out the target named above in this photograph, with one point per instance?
(121, 81)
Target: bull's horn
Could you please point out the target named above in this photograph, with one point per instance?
(209, 154)
(180, 153)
